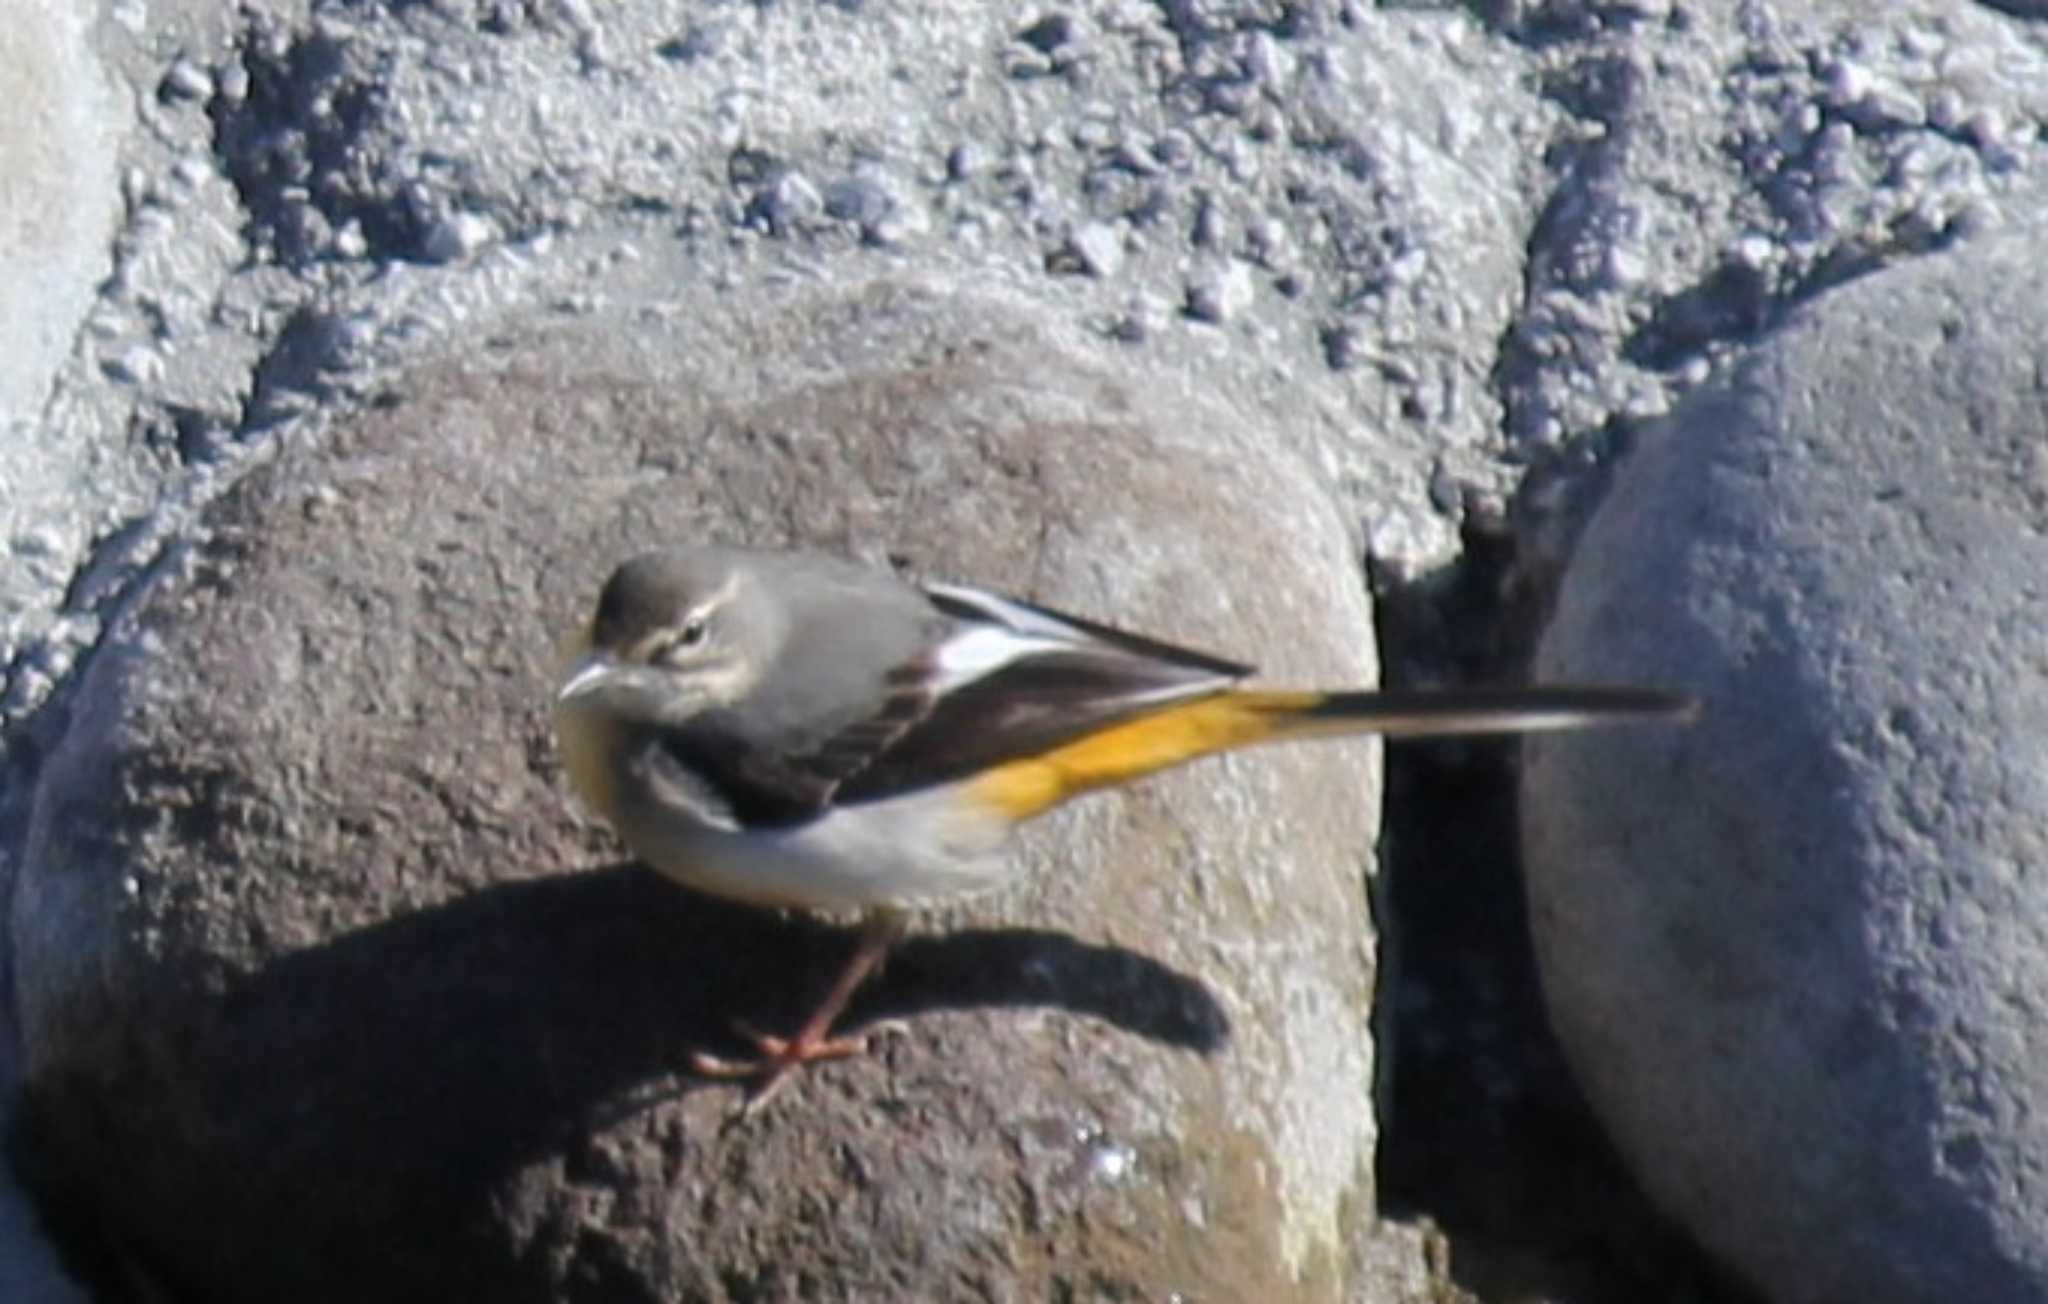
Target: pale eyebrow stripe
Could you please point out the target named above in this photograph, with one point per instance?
(724, 594)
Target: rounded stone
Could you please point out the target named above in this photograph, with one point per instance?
(323, 977)
(1799, 953)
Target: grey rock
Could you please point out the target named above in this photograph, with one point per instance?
(884, 209)
(964, 161)
(136, 364)
(453, 238)
(58, 213)
(698, 41)
(187, 80)
(1797, 953)
(61, 200)
(30, 1271)
(116, 236)
(1098, 247)
(59, 208)
(1049, 33)
(786, 200)
(1220, 290)
(277, 917)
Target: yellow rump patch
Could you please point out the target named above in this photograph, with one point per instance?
(1132, 749)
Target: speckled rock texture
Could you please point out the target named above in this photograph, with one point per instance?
(1799, 952)
(302, 894)
(1430, 265)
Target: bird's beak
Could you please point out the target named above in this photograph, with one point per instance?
(587, 673)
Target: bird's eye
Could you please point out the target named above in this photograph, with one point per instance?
(677, 643)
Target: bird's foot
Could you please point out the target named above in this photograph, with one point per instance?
(779, 1057)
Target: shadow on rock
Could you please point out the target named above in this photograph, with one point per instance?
(393, 1080)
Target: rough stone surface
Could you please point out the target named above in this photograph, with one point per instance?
(277, 917)
(57, 214)
(61, 198)
(58, 209)
(30, 1270)
(1798, 953)
(1457, 242)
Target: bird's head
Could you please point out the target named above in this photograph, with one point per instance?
(674, 633)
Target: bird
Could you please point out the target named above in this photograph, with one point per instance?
(799, 730)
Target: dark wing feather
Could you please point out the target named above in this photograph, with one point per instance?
(762, 782)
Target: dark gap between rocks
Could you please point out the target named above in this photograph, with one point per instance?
(1482, 1128)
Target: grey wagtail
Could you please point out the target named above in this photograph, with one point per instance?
(794, 730)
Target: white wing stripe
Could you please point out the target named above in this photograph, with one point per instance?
(983, 649)
(1021, 619)
(1017, 632)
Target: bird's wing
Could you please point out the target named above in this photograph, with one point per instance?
(1000, 680)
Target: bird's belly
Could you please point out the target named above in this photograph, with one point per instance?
(903, 851)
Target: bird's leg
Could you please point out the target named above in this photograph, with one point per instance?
(778, 1055)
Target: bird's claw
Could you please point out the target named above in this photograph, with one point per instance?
(778, 1057)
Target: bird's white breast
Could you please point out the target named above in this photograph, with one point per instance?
(923, 846)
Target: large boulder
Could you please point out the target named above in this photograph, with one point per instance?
(1798, 952)
(329, 993)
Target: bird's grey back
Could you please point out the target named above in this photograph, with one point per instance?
(846, 634)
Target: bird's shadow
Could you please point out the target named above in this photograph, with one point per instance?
(413, 1066)
(498, 1027)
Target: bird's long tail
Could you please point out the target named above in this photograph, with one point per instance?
(1185, 731)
